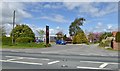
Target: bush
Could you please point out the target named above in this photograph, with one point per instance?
(24, 40)
(6, 40)
(117, 37)
(22, 31)
(49, 45)
(105, 43)
(80, 38)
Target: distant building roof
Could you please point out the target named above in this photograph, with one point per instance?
(114, 33)
(59, 33)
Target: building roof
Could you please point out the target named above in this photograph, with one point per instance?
(114, 33)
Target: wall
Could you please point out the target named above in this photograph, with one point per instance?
(116, 45)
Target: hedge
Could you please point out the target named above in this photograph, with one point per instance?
(118, 37)
(6, 40)
(24, 40)
(105, 43)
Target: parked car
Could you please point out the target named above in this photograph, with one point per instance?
(60, 42)
(38, 40)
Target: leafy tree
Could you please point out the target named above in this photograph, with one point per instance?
(22, 31)
(74, 27)
(80, 38)
(2, 31)
(118, 37)
(59, 35)
(91, 37)
(105, 35)
(41, 33)
(64, 37)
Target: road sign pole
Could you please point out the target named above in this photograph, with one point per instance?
(47, 35)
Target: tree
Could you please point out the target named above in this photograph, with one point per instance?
(91, 37)
(105, 35)
(74, 27)
(59, 35)
(41, 33)
(2, 31)
(80, 38)
(22, 31)
(64, 37)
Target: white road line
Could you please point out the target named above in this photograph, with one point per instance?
(45, 59)
(11, 59)
(16, 57)
(22, 62)
(3, 60)
(103, 65)
(20, 57)
(88, 67)
(53, 62)
(10, 56)
(99, 62)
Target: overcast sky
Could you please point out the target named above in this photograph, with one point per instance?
(100, 16)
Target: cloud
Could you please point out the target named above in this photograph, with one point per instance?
(60, 0)
(102, 27)
(8, 28)
(55, 18)
(7, 12)
(93, 9)
(52, 31)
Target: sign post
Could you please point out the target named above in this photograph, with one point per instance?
(47, 35)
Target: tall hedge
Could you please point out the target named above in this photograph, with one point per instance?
(24, 40)
(6, 40)
(21, 31)
(118, 37)
(80, 38)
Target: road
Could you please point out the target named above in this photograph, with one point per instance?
(25, 60)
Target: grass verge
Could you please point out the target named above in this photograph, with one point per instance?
(25, 45)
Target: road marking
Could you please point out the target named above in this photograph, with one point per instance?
(53, 62)
(22, 62)
(3, 60)
(17, 57)
(103, 65)
(45, 59)
(20, 57)
(88, 67)
(11, 59)
(99, 62)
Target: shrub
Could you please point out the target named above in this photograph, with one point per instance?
(80, 38)
(22, 31)
(24, 40)
(49, 45)
(117, 37)
(6, 40)
(105, 43)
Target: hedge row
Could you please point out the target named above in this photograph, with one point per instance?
(24, 40)
(8, 40)
(118, 37)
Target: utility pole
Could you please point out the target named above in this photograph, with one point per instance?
(13, 27)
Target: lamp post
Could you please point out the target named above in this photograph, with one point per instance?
(13, 27)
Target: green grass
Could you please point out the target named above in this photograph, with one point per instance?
(25, 45)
